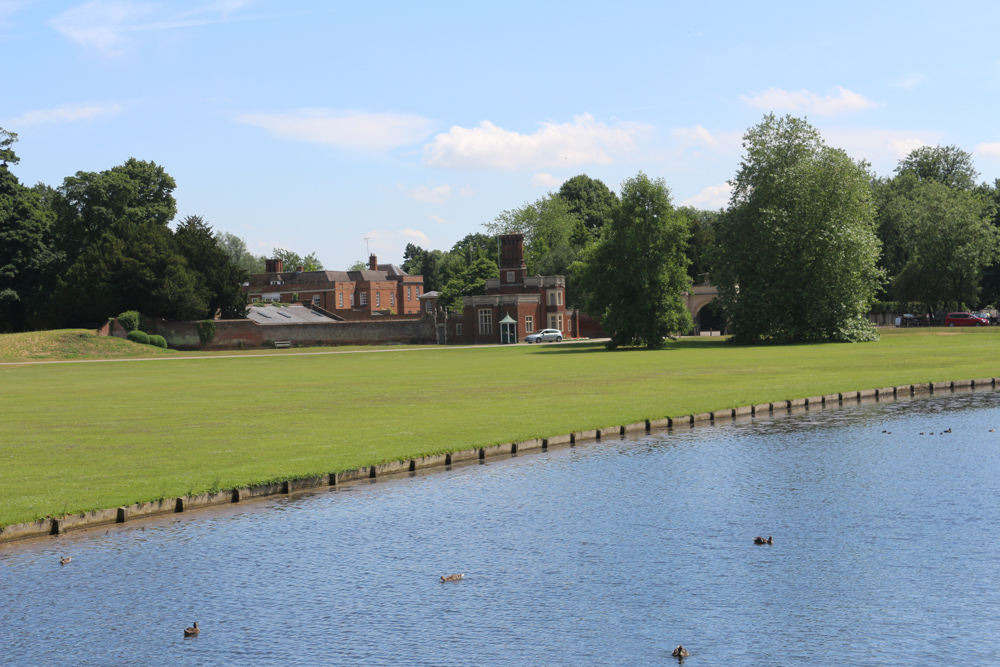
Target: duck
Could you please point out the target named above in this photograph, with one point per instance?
(761, 540)
(192, 631)
(948, 431)
(452, 577)
(65, 560)
(680, 652)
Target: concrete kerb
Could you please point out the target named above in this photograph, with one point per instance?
(58, 525)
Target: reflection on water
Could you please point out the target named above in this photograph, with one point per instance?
(885, 553)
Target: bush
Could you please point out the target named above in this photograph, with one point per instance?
(158, 341)
(130, 320)
(139, 337)
(206, 331)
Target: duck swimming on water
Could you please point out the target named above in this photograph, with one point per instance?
(452, 577)
(761, 540)
(680, 652)
(65, 559)
(192, 631)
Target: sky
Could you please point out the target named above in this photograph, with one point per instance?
(314, 126)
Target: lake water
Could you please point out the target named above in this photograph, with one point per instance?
(886, 552)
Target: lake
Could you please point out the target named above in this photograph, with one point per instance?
(886, 552)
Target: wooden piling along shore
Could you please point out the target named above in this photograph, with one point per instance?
(127, 514)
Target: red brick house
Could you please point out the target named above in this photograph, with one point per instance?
(381, 288)
(515, 304)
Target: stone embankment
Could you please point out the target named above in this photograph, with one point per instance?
(70, 522)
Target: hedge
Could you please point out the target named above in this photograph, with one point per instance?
(158, 341)
(139, 337)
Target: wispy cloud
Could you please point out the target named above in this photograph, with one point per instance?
(909, 82)
(776, 99)
(441, 221)
(353, 130)
(67, 114)
(992, 150)
(714, 196)
(488, 146)
(699, 136)
(104, 25)
(437, 195)
(546, 180)
(389, 244)
(876, 144)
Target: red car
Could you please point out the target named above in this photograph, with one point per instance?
(965, 320)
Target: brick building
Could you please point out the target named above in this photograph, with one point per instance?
(381, 288)
(515, 304)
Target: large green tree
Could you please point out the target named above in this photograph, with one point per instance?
(28, 260)
(589, 200)
(954, 242)
(238, 253)
(635, 275)
(222, 278)
(797, 250)
(948, 165)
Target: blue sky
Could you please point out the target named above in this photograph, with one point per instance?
(312, 125)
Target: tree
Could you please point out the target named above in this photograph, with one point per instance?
(291, 260)
(218, 275)
(358, 266)
(28, 261)
(589, 200)
(948, 165)
(470, 282)
(797, 251)
(8, 139)
(238, 253)
(701, 240)
(635, 274)
(954, 243)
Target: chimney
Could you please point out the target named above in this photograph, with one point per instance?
(273, 265)
(512, 251)
(299, 269)
(372, 263)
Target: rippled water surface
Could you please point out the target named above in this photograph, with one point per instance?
(885, 553)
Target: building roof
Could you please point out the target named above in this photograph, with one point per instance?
(293, 279)
(285, 315)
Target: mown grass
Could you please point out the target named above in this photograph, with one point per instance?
(71, 344)
(82, 436)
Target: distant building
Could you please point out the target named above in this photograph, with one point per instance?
(515, 304)
(381, 289)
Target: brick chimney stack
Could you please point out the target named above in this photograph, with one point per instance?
(512, 266)
(372, 263)
(273, 265)
(299, 269)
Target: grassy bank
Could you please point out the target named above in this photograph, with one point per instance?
(71, 344)
(85, 436)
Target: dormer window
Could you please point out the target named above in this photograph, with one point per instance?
(510, 276)
(275, 282)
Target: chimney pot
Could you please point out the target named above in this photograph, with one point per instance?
(299, 269)
(273, 265)
(372, 263)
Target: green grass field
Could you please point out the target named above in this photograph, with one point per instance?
(93, 435)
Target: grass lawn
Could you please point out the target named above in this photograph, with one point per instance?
(94, 435)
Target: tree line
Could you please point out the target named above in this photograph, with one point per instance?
(101, 244)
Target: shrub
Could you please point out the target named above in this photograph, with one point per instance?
(206, 331)
(139, 337)
(130, 320)
(158, 341)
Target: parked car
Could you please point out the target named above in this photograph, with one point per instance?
(965, 320)
(543, 335)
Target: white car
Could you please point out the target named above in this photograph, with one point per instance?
(544, 334)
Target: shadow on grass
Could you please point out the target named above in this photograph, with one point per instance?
(589, 348)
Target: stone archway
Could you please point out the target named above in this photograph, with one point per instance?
(697, 298)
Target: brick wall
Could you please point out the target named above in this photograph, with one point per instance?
(231, 334)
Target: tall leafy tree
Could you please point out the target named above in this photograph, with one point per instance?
(238, 253)
(635, 275)
(954, 243)
(701, 240)
(28, 260)
(292, 260)
(221, 278)
(589, 200)
(948, 165)
(797, 250)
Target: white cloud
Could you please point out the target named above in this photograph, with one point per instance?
(910, 82)
(104, 25)
(712, 197)
(878, 144)
(546, 180)
(389, 244)
(844, 101)
(67, 114)
(581, 142)
(441, 221)
(438, 195)
(354, 130)
(993, 150)
(699, 136)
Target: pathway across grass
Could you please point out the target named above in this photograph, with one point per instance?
(84, 436)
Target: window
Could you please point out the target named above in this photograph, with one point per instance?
(485, 321)
(510, 276)
(418, 291)
(556, 321)
(340, 300)
(458, 329)
(378, 299)
(559, 298)
(253, 299)
(275, 282)
(352, 299)
(316, 299)
(430, 306)
(364, 298)
(529, 323)
(552, 299)
(408, 288)
(392, 300)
